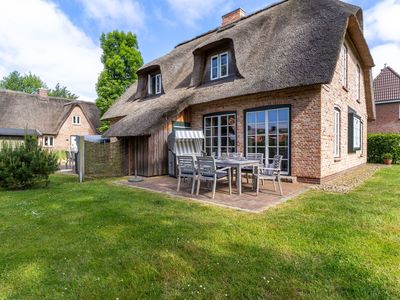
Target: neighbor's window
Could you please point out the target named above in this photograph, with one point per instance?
(336, 132)
(355, 132)
(76, 120)
(358, 81)
(49, 141)
(155, 84)
(344, 66)
(219, 66)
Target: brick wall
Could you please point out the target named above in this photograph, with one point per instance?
(334, 95)
(305, 121)
(387, 119)
(62, 140)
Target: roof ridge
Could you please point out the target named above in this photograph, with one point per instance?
(393, 71)
(234, 23)
(44, 98)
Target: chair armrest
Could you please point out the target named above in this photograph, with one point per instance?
(225, 169)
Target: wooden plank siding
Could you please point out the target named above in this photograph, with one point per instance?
(151, 152)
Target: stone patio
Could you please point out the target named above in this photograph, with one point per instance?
(248, 201)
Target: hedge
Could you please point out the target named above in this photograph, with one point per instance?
(379, 144)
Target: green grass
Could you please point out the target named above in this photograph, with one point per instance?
(101, 241)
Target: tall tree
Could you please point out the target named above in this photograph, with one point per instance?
(30, 83)
(62, 92)
(121, 59)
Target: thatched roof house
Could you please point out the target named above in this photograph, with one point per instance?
(50, 116)
(287, 47)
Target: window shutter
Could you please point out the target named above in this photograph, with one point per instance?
(351, 133)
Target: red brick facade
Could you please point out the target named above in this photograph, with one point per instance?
(387, 118)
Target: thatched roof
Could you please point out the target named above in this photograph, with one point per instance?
(290, 44)
(45, 114)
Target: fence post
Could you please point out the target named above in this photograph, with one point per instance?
(81, 158)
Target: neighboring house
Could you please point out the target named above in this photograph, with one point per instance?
(387, 101)
(56, 121)
(291, 79)
(15, 136)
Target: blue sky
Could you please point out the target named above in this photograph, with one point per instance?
(58, 39)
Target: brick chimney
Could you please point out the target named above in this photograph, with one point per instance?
(233, 16)
(42, 92)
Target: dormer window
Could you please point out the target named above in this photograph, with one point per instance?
(154, 84)
(76, 120)
(219, 66)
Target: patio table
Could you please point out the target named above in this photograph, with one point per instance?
(237, 164)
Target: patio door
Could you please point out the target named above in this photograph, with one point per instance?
(220, 133)
(73, 143)
(268, 132)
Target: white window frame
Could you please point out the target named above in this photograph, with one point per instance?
(158, 84)
(219, 134)
(76, 120)
(219, 66)
(356, 133)
(344, 66)
(46, 141)
(358, 82)
(336, 132)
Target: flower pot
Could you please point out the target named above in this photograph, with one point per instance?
(388, 161)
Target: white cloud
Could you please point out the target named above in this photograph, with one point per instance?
(126, 13)
(36, 36)
(191, 11)
(382, 23)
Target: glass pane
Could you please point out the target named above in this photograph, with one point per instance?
(272, 116)
(283, 115)
(214, 121)
(251, 150)
(272, 140)
(232, 149)
(208, 150)
(208, 122)
(215, 142)
(232, 130)
(272, 128)
(224, 141)
(261, 117)
(285, 166)
(215, 131)
(224, 65)
(283, 140)
(208, 142)
(284, 151)
(208, 131)
(283, 127)
(251, 141)
(224, 120)
(224, 131)
(251, 118)
(272, 152)
(214, 67)
(224, 150)
(232, 142)
(260, 140)
(251, 130)
(232, 120)
(261, 128)
(261, 150)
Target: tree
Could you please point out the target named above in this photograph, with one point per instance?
(27, 83)
(121, 59)
(62, 92)
(30, 83)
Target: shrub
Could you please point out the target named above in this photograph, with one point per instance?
(388, 156)
(380, 144)
(26, 164)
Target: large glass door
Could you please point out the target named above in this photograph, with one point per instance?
(268, 132)
(220, 133)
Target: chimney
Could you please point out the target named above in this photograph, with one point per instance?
(42, 92)
(233, 16)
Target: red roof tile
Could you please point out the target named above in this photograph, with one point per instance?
(387, 85)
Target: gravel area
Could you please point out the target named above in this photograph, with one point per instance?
(348, 181)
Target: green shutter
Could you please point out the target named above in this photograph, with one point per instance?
(351, 133)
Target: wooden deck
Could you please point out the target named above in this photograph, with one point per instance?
(248, 201)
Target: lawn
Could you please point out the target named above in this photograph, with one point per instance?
(98, 240)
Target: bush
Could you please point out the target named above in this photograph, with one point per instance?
(387, 156)
(381, 144)
(25, 165)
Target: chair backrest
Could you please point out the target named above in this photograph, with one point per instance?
(206, 165)
(186, 164)
(256, 156)
(277, 162)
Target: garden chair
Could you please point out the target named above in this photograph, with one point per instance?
(272, 172)
(207, 171)
(253, 156)
(69, 159)
(186, 169)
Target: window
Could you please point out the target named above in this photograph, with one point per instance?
(76, 120)
(336, 132)
(358, 82)
(355, 132)
(344, 66)
(49, 141)
(220, 133)
(219, 66)
(268, 132)
(155, 84)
